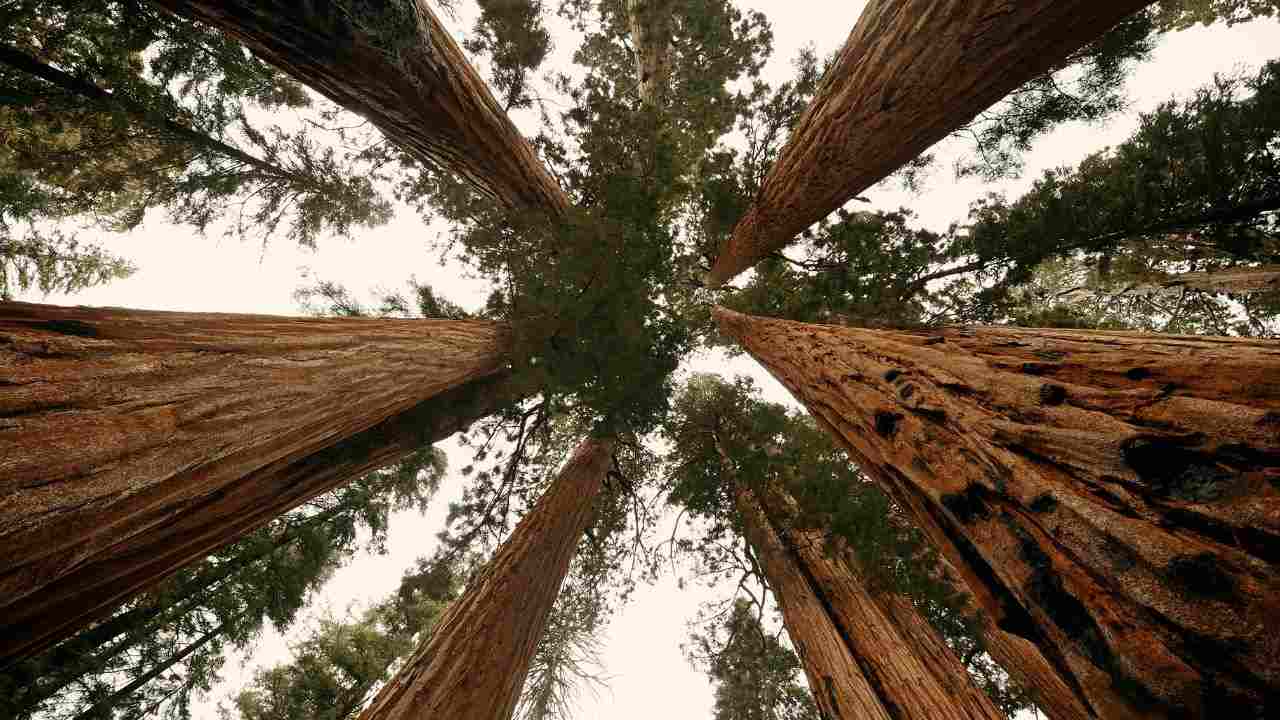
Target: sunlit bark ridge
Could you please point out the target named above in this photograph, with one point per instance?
(474, 664)
(395, 64)
(133, 442)
(1112, 497)
(911, 72)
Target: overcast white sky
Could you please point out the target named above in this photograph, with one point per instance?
(178, 270)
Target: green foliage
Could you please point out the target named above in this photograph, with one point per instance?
(1182, 14)
(756, 676)
(114, 108)
(512, 35)
(54, 262)
(338, 666)
(1088, 86)
(567, 659)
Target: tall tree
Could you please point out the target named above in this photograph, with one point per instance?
(865, 646)
(221, 413)
(937, 65)
(1107, 495)
(266, 577)
(475, 662)
(394, 63)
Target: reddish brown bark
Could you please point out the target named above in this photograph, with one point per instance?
(474, 664)
(418, 88)
(1054, 694)
(911, 72)
(835, 678)
(133, 442)
(1111, 497)
(914, 673)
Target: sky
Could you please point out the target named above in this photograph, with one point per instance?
(649, 677)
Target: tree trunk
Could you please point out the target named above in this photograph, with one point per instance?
(649, 22)
(396, 65)
(835, 676)
(134, 442)
(474, 664)
(911, 72)
(1238, 281)
(1054, 694)
(1112, 497)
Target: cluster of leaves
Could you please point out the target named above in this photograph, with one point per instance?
(756, 676)
(54, 262)
(112, 108)
(338, 667)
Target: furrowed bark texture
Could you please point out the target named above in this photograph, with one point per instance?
(474, 664)
(650, 28)
(1111, 497)
(913, 671)
(132, 442)
(835, 676)
(911, 72)
(395, 64)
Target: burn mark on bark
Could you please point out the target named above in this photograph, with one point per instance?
(1138, 373)
(75, 328)
(935, 340)
(1171, 469)
(1121, 557)
(887, 423)
(1044, 503)
(1261, 544)
(968, 506)
(1045, 588)
(906, 391)
(1272, 417)
(1038, 368)
(936, 414)
(1051, 394)
(892, 375)
(1200, 576)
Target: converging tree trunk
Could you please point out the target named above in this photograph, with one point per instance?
(649, 23)
(395, 64)
(134, 442)
(911, 72)
(835, 677)
(866, 654)
(474, 664)
(1112, 497)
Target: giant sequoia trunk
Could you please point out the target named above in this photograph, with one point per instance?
(1111, 497)
(395, 64)
(905, 662)
(649, 23)
(474, 664)
(134, 442)
(911, 72)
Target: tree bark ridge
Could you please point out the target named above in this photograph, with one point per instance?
(911, 72)
(474, 664)
(395, 64)
(1112, 497)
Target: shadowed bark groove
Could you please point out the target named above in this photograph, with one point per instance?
(840, 687)
(914, 671)
(475, 662)
(1113, 497)
(395, 64)
(132, 442)
(911, 72)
